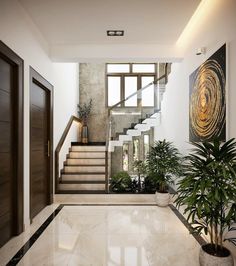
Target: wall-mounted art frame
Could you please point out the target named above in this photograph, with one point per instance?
(207, 99)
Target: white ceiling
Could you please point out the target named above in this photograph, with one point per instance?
(75, 22)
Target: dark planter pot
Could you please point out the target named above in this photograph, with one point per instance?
(208, 258)
(84, 134)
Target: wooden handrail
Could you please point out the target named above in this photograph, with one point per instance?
(60, 144)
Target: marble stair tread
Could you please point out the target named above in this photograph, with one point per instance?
(79, 186)
(86, 161)
(82, 173)
(88, 148)
(65, 191)
(84, 169)
(92, 165)
(82, 181)
(86, 155)
(97, 143)
(83, 177)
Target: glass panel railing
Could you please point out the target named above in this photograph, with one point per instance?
(134, 115)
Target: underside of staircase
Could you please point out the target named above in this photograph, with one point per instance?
(135, 129)
(84, 170)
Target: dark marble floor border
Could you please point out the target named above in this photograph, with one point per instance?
(20, 254)
(199, 238)
(25, 248)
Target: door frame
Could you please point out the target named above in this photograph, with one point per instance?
(18, 134)
(36, 78)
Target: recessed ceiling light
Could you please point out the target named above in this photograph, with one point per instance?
(115, 33)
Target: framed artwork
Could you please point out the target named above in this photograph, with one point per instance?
(207, 99)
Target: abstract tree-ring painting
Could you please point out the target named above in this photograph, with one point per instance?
(207, 99)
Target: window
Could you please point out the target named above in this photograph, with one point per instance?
(144, 68)
(146, 145)
(118, 68)
(147, 94)
(113, 90)
(125, 79)
(131, 85)
(125, 157)
(135, 150)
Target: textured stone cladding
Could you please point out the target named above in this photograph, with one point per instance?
(92, 85)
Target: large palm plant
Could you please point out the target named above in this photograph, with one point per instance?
(208, 190)
(163, 161)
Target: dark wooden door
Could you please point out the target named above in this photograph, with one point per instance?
(40, 148)
(10, 222)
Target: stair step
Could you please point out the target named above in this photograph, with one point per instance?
(64, 191)
(133, 132)
(142, 127)
(84, 177)
(88, 144)
(86, 154)
(92, 187)
(84, 169)
(82, 182)
(88, 148)
(87, 161)
(125, 138)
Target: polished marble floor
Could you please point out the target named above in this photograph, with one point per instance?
(110, 236)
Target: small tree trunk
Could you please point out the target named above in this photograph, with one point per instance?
(216, 237)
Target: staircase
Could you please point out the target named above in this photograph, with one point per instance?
(135, 129)
(87, 167)
(84, 169)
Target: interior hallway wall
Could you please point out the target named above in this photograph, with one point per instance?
(213, 26)
(92, 86)
(66, 98)
(19, 33)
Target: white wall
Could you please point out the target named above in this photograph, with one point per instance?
(18, 32)
(66, 98)
(213, 24)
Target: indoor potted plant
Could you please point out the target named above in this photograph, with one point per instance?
(208, 192)
(83, 113)
(139, 169)
(163, 161)
(121, 182)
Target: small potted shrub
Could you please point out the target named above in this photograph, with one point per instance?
(121, 182)
(139, 169)
(208, 193)
(163, 161)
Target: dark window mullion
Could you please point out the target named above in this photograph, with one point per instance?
(122, 90)
(139, 101)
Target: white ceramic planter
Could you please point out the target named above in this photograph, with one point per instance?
(162, 199)
(206, 259)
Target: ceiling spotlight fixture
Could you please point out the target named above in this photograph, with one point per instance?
(201, 50)
(115, 33)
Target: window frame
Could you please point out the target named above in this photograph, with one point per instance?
(122, 84)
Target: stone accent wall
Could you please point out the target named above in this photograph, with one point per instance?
(92, 85)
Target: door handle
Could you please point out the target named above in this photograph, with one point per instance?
(48, 148)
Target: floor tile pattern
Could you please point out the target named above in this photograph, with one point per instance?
(113, 236)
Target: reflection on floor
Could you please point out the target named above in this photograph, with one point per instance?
(114, 235)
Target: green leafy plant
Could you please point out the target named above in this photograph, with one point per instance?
(208, 190)
(149, 185)
(140, 169)
(121, 182)
(163, 161)
(84, 110)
